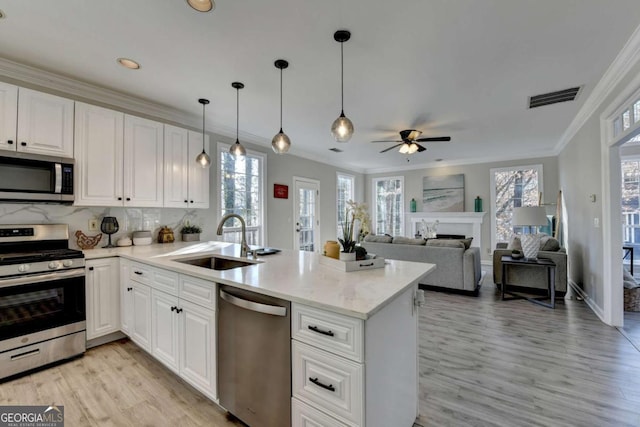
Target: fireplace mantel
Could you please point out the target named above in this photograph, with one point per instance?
(467, 223)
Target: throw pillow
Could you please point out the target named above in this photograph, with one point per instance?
(467, 242)
(449, 243)
(548, 243)
(377, 239)
(515, 244)
(408, 241)
(627, 279)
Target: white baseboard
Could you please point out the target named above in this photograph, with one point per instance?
(586, 298)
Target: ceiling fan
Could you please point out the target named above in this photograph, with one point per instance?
(409, 139)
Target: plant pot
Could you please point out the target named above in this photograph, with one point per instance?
(332, 249)
(193, 237)
(347, 256)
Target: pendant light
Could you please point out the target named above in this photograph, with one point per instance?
(203, 158)
(237, 149)
(281, 142)
(342, 128)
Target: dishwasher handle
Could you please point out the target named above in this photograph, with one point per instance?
(274, 310)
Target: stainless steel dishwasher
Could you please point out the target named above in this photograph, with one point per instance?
(254, 357)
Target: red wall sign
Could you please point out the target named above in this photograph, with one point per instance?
(280, 191)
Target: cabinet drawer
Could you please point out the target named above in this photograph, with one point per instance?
(303, 415)
(198, 291)
(141, 273)
(339, 334)
(166, 281)
(328, 382)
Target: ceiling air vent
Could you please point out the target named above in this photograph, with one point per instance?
(554, 97)
(335, 150)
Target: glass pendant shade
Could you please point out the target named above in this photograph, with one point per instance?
(413, 148)
(237, 149)
(280, 143)
(342, 129)
(203, 159)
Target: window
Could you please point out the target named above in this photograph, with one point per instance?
(344, 192)
(631, 201)
(388, 214)
(511, 188)
(242, 192)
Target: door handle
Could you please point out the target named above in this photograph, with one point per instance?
(297, 227)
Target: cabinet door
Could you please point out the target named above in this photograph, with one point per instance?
(126, 297)
(164, 328)
(98, 154)
(143, 162)
(198, 347)
(199, 176)
(103, 297)
(176, 171)
(8, 116)
(141, 320)
(45, 123)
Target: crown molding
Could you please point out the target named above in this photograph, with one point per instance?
(625, 60)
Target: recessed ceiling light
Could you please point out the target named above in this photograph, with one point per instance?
(128, 63)
(438, 160)
(202, 5)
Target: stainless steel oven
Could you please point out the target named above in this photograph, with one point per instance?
(42, 298)
(29, 177)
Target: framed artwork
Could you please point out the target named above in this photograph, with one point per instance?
(280, 191)
(443, 193)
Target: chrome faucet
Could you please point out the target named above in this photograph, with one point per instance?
(245, 251)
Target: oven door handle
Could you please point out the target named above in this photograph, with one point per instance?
(39, 278)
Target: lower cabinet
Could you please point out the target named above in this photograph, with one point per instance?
(176, 330)
(102, 297)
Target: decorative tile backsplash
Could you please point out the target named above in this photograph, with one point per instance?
(129, 219)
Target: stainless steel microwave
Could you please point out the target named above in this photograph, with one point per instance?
(35, 178)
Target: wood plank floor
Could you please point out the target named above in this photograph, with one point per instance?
(483, 362)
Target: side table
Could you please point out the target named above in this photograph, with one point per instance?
(547, 264)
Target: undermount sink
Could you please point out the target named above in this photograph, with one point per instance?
(218, 262)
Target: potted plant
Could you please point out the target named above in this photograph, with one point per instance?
(355, 211)
(190, 233)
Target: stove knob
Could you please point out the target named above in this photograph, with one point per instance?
(54, 265)
(67, 262)
(23, 268)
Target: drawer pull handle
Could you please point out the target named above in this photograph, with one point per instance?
(366, 265)
(320, 331)
(25, 354)
(329, 387)
(139, 273)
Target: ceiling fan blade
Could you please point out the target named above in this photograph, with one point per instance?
(391, 148)
(421, 148)
(437, 138)
(387, 141)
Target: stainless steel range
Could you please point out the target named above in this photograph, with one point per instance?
(42, 297)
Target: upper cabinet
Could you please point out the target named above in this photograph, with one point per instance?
(186, 183)
(8, 116)
(45, 124)
(119, 159)
(35, 122)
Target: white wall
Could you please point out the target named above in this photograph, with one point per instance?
(476, 182)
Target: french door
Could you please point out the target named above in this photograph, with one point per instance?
(306, 215)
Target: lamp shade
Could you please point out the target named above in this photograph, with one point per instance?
(529, 216)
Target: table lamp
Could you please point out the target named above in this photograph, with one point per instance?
(532, 217)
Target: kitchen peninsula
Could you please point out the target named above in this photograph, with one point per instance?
(353, 335)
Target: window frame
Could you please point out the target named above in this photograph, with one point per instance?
(374, 213)
(223, 147)
(492, 184)
(352, 178)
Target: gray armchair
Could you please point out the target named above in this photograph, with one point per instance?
(531, 277)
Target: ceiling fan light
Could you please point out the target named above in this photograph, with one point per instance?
(342, 129)
(404, 149)
(237, 149)
(280, 143)
(413, 148)
(202, 5)
(414, 134)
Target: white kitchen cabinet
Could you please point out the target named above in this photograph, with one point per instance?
(164, 328)
(186, 183)
(99, 134)
(103, 297)
(143, 162)
(8, 116)
(126, 297)
(140, 327)
(45, 123)
(119, 158)
(198, 347)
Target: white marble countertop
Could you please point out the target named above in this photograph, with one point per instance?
(292, 275)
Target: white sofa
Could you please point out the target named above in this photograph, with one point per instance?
(457, 265)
